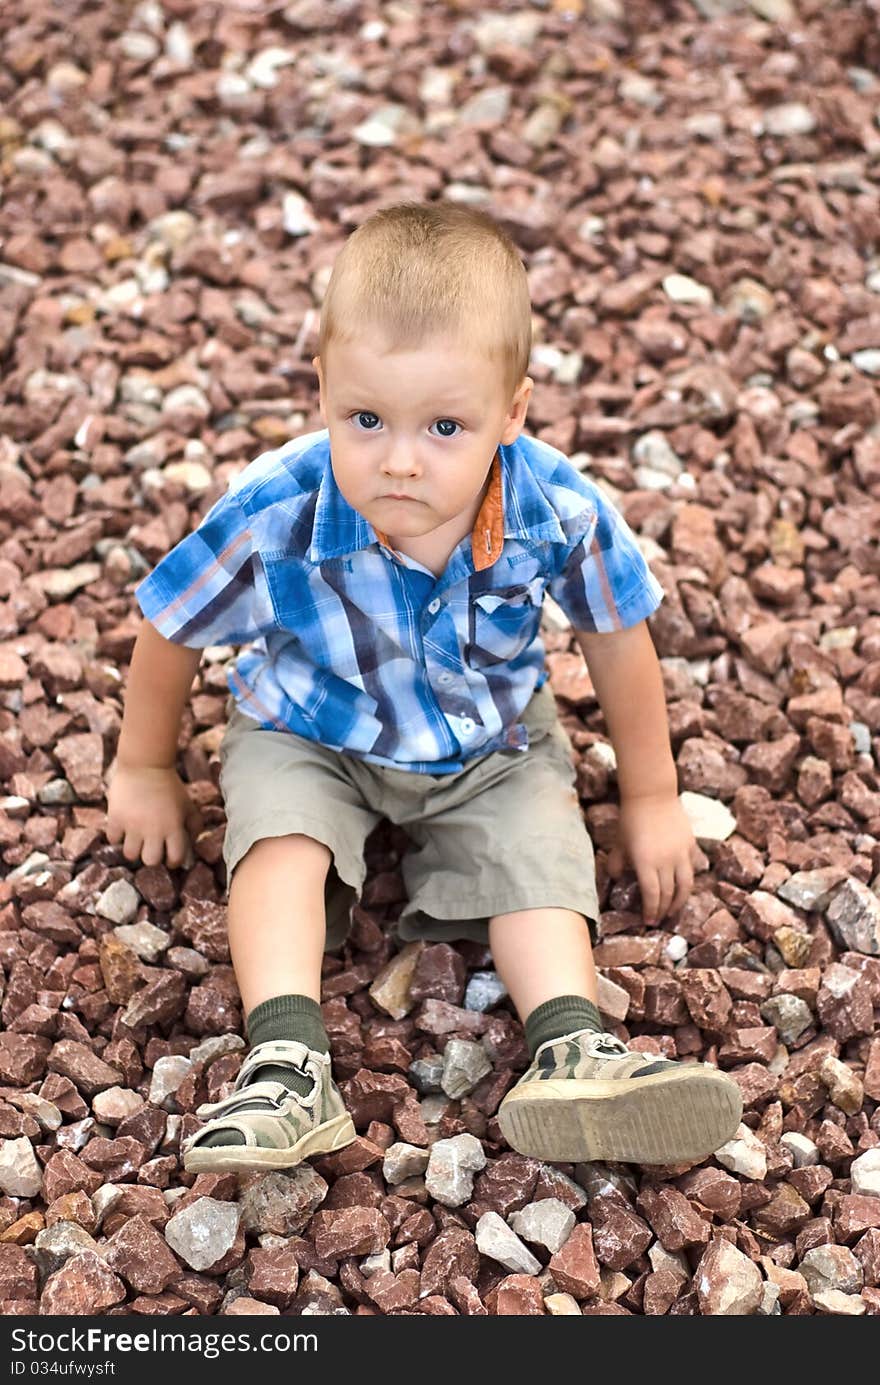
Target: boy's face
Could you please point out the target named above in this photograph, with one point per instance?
(424, 424)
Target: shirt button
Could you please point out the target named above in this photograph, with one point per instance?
(444, 678)
(467, 725)
(434, 606)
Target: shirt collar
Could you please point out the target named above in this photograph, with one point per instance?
(514, 506)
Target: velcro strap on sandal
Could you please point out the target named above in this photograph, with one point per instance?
(273, 1091)
(283, 1051)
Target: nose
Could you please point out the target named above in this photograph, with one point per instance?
(400, 463)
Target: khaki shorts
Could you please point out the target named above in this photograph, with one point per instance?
(506, 832)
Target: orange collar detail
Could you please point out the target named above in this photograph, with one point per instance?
(487, 536)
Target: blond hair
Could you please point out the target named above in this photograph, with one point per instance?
(416, 270)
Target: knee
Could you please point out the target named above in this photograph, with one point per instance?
(292, 850)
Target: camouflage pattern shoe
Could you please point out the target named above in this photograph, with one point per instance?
(587, 1097)
(280, 1127)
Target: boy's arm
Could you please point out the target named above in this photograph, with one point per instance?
(655, 832)
(159, 681)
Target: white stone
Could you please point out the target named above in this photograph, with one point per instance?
(203, 1232)
(465, 1063)
(547, 1222)
(649, 480)
(845, 1305)
(737, 1287)
(774, 11)
(519, 28)
(193, 476)
(173, 229)
(487, 104)
(811, 889)
(178, 45)
(673, 1261)
(296, 215)
(865, 1173)
(21, 1174)
(867, 361)
(769, 1305)
(853, 915)
(261, 71)
(790, 118)
(144, 939)
(382, 127)
(495, 1239)
(119, 902)
(789, 1013)
(138, 47)
(653, 450)
(168, 1073)
(682, 289)
(233, 90)
(106, 1198)
(188, 398)
(677, 948)
(484, 989)
(449, 1177)
(61, 583)
(804, 1152)
(711, 820)
(831, 1267)
(402, 1161)
(744, 1154)
(562, 1305)
(217, 1046)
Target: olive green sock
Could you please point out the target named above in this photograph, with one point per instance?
(296, 1017)
(563, 1015)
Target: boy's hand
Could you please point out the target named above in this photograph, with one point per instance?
(655, 836)
(149, 811)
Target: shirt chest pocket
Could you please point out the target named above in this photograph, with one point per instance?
(503, 623)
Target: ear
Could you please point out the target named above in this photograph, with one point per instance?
(516, 416)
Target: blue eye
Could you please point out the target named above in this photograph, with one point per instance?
(364, 413)
(448, 420)
(368, 413)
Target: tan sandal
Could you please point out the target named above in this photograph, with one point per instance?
(280, 1127)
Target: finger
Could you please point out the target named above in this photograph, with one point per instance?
(151, 852)
(175, 847)
(667, 890)
(649, 885)
(131, 848)
(112, 832)
(684, 883)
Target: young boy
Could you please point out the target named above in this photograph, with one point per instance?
(387, 574)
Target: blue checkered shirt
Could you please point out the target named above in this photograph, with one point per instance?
(360, 647)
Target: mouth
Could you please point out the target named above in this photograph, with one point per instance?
(400, 497)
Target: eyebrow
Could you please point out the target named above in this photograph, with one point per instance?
(453, 402)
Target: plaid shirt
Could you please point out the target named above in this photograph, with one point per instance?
(362, 648)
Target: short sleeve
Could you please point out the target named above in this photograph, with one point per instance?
(210, 588)
(605, 583)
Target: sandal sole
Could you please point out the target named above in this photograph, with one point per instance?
(665, 1118)
(325, 1139)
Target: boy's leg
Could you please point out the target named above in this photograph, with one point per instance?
(585, 1096)
(285, 1106)
(534, 948)
(276, 918)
